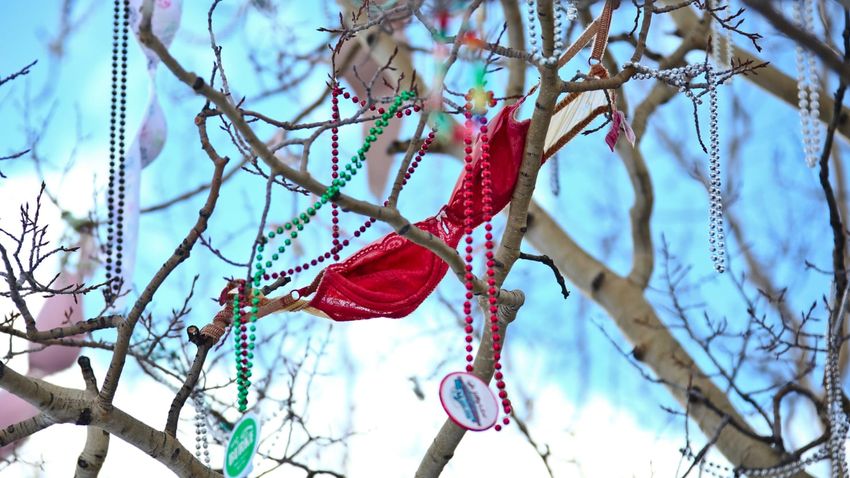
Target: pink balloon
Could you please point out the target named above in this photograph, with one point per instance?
(14, 410)
(58, 311)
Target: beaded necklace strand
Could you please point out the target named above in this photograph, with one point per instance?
(245, 336)
(335, 91)
(117, 180)
(475, 110)
(721, 53)
(244, 344)
(680, 78)
(563, 13)
(322, 257)
(807, 85)
(467, 224)
(201, 438)
(716, 237)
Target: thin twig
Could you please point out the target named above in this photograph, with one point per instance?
(544, 259)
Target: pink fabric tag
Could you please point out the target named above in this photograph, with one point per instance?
(619, 123)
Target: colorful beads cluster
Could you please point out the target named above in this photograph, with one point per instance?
(475, 109)
(337, 244)
(340, 179)
(245, 336)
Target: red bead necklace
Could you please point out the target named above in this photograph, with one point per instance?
(467, 399)
(335, 169)
(487, 199)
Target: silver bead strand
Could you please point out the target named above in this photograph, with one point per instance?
(782, 471)
(680, 78)
(570, 10)
(803, 86)
(837, 419)
(716, 236)
(814, 86)
(201, 439)
(562, 15)
(721, 53)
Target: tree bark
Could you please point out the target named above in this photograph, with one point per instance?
(68, 405)
(448, 438)
(654, 345)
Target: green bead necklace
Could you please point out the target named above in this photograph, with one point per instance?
(245, 335)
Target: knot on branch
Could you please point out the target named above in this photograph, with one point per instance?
(198, 83)
(84, 418)
(194, 335)
(695, 395)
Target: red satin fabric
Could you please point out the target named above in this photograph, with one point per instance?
(392, 276)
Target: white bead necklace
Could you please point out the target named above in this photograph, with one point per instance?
(807, 85)
(562, 12)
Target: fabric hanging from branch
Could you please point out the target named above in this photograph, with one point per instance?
(392, 276)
